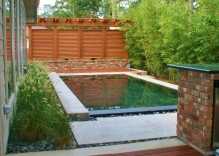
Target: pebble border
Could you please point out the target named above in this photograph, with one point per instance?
(20, 146)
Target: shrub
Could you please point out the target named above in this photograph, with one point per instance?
(39, 114)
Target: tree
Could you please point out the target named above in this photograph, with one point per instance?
(73, 8)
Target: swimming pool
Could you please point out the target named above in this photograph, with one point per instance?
(105, 92)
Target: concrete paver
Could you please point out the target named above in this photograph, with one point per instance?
(117, 129)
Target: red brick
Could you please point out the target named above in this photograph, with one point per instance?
(194, 129)
(189, 97)
(206, 109)
(199, 144)
(181, 83)
(182, 135)
(198, 100)
(206, 95)
(183, 72)
(208, 115)
(193, 117)
(195, 105)
(208, 102)
(184, 78)
(205, 128)
(183, 101)
(215, 76)
(179, 127)
(180, 94)
(199, 87)
(205, 122)
(209, 89)
(198, 113)
(188, 120)
(194, 92)
(200, 75)
(205, 135)
(185, 124)
(181, 106)
(192, 73)
(180, 116)
(207, 82)
(195, 124)
(189, 85)
(183, 89)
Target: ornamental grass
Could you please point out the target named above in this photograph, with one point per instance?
(39, 114)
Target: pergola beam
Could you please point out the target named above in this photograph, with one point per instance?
(78, 22)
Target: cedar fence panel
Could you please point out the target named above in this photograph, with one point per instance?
(91, 44)
(115, 44)
(8, 44)
(42, 44)
(68, 44)
(57, 44)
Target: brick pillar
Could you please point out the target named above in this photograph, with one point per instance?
(195, 108)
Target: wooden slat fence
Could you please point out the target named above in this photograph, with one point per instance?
(59, 44)
(8, 44)
(78, 43)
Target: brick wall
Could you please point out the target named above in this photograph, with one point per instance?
(195, 108)
(86, 64)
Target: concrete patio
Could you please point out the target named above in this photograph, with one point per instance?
(123, 129)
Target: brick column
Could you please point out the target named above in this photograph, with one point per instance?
(195, 108)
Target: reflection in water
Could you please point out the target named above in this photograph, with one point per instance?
(119, 91)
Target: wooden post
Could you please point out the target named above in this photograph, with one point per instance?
(30, 53)
(55, 44)
(80, 42)
(104, 42)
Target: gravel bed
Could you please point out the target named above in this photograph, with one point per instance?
(20, 146)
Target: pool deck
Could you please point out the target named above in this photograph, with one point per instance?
(166, 147)
(125, 129)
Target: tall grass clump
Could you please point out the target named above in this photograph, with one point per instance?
(38, 113)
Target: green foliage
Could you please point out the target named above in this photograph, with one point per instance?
(164, 34)
(72, 9)
(39, 114)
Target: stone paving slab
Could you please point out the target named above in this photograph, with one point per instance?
(117, 129)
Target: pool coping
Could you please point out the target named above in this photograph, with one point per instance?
(137, 74)
(70, 102)
(145, 110)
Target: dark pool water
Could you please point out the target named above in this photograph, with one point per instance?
(102, 92)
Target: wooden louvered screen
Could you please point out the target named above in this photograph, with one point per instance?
(56, 44)
(42, 44)
(8, 44)
(68, 44)
(115, 44)
(92, 44)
